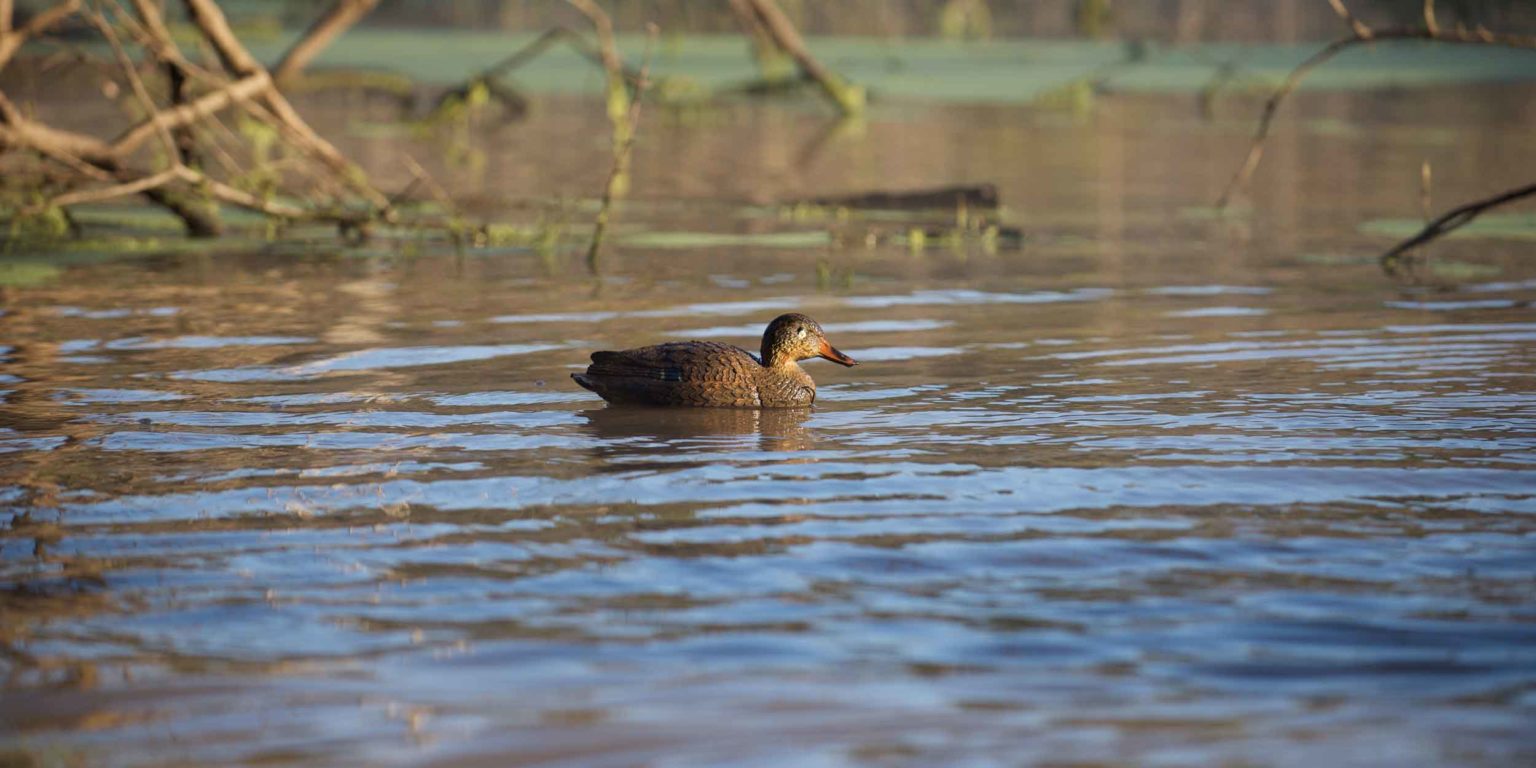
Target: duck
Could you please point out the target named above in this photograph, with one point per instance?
(710, 374)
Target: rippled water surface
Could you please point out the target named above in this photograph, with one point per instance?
(1156, 488)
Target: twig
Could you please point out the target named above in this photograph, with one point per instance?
(211, 22)
(215, 189)
(240, 90)
(1360, 29)
(1333, 49)
(55, 145)
(420, 175)
(175, 72)
(341, 16)
(239, 197)
(1454, 219)
(137, 85)
(622, 151)
(107, 193)
(252, 88)
(848, 98)
(515, 103)
(618, 93)
(12, 39)
(534, 49)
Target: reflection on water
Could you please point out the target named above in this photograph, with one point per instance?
(625, 437)
(1148, 491)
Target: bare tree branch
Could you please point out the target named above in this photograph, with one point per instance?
(782, 30)
(137, 85)
(215, 28)
(176, 71)
(1272, 105)
(124, 189)
(12, 39)
(23, 132)
(1355, 25)
(1456, 218)
(210, 20)
(186, 114)
(341, 16)
(603, 25)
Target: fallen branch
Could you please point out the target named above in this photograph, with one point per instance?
(1360, 34)
(848, 98)
(515, 102)
(175, 72)
(94, 159)
(197, 96)
(12, 39)
(87, 155)
(210, 20)
(215, 189)
(1454, 219)
(341, 16)
(107, 193)
(204, 106)
(136, 84)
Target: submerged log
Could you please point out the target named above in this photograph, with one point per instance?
(973, 197)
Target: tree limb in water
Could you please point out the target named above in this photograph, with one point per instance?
(1454, 219)
(12, 39)
(96, 169)
(341, 16)
(848, 98)
(1360, 34)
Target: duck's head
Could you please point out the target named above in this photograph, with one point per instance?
(795, 337)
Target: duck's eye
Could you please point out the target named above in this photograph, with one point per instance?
(800, 334)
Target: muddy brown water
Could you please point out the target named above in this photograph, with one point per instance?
(1157, 488)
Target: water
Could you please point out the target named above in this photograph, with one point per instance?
(1156, 489)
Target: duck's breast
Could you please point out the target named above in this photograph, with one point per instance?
(785, 388)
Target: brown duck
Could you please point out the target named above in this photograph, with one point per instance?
(708, 373)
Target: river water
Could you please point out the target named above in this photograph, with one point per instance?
(1156, 488)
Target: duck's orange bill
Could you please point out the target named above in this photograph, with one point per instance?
(830, 352)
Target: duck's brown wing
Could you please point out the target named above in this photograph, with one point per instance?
(680, 373)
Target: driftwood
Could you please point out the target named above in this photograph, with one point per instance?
(177, 151)
(978, 197)
(1362, 34)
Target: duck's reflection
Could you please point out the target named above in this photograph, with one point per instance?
(673, 434)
